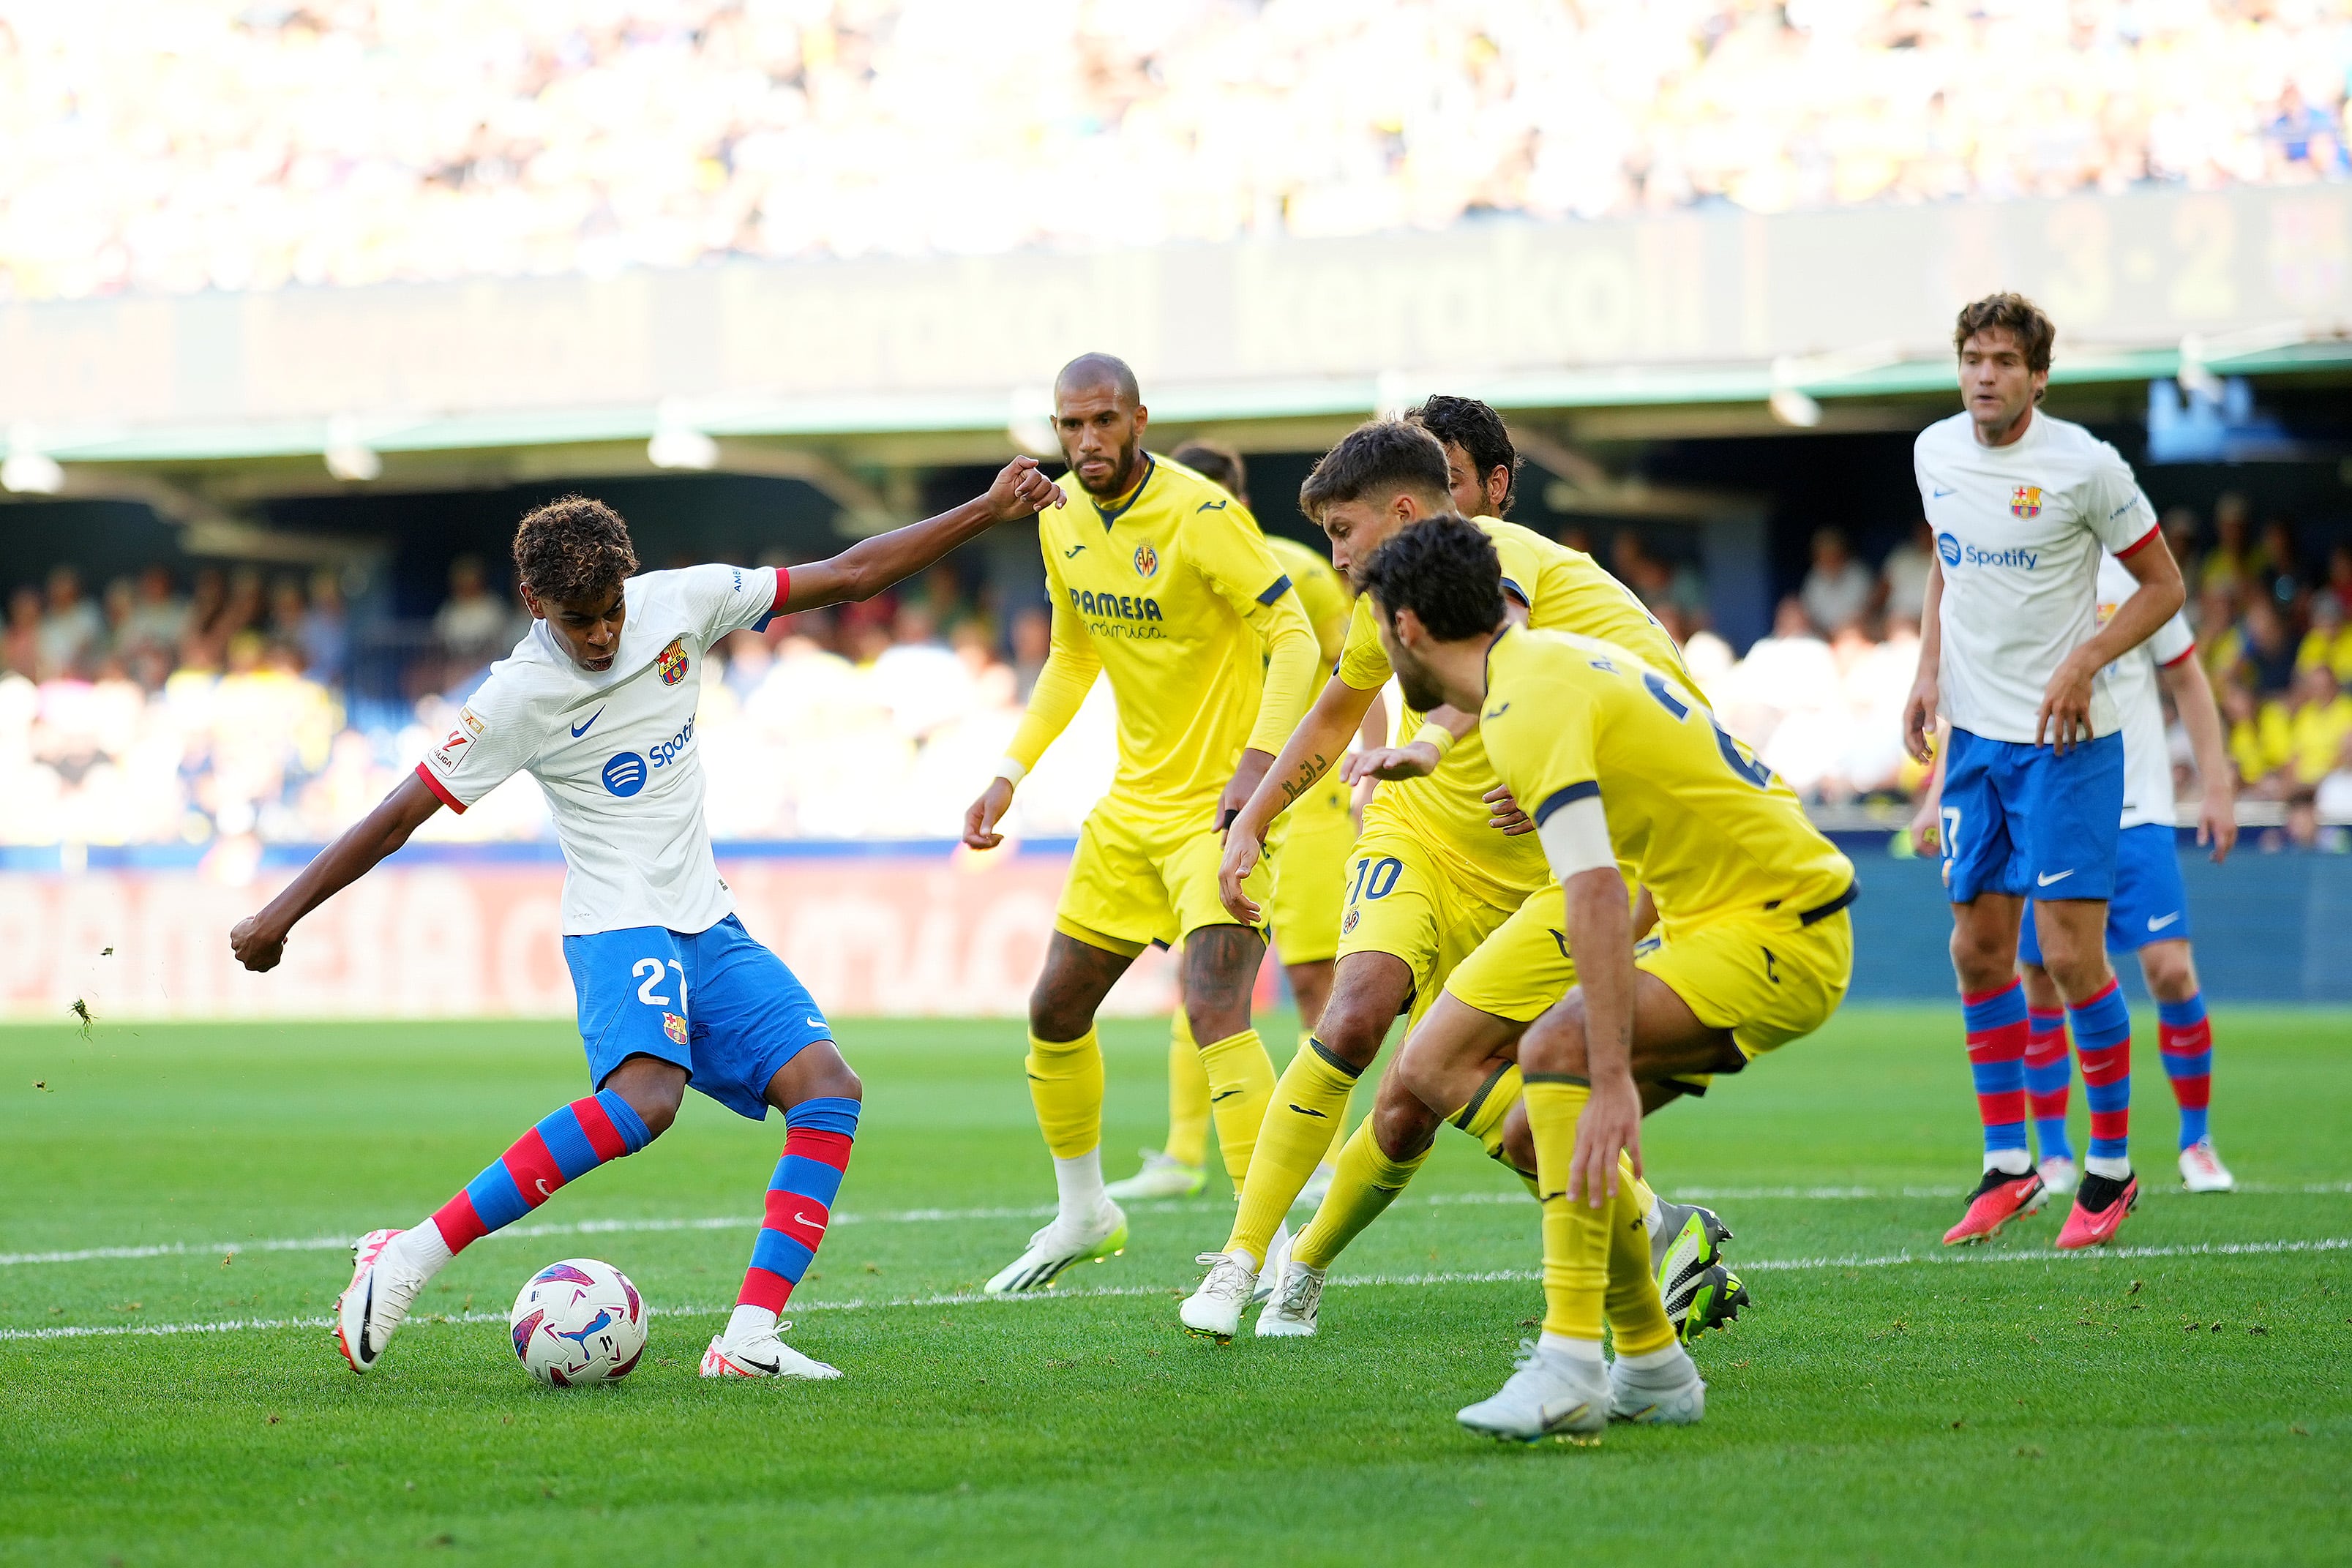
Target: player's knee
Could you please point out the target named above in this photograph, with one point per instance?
(1402, 1125)
(2170, 973)
(1519, 1139)
(1055, 1014)
(1555, 1043)
(1982, 960)
(1352, 1028)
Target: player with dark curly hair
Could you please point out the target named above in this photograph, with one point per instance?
(597, 703)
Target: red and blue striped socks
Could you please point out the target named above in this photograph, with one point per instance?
(2185, 1039)
(2103, 1036)
(1997, 1036)
(565, 1148)
(817, 1139)
(2049, 1076)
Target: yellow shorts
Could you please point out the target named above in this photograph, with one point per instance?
(1523, 966)
(1309, 851)
(1134, 882)
(1767, 979)
(1401, 900)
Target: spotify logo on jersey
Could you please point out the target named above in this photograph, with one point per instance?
(625, 774)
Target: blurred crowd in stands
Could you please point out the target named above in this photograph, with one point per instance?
(176, 145)
(149, 716)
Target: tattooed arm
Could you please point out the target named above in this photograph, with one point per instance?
(1320, 739)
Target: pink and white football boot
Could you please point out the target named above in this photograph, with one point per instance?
(2101, 1206)
(1999, 1198)
(383, 1286)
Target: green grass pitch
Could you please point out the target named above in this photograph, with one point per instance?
(2172, 1401)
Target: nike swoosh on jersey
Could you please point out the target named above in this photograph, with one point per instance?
(582, 728)
(2156, 924)
(1941, 494)
(2053, 876)
(817, 1023)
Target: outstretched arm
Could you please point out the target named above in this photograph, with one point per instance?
(259, 940)
(869, 565)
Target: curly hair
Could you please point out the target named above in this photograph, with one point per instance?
(572, 550)
(2013, 313)
(1480, 431)
(1445, 571)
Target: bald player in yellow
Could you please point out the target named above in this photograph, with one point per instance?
(1308, 858)
(1441, 863)
(1160, 581)
(1626, 768)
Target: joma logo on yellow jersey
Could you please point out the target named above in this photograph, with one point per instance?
(1127, 607)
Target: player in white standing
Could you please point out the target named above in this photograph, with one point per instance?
(2149, 913)
(597, 703)
(2010, 650)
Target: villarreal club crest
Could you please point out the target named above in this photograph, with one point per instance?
(1147, 560)
(671, 665)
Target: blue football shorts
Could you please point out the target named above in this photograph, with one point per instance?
(714, 1002)
(2150, 902)
(2027, 822)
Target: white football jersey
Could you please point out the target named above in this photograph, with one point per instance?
(2131, 682)
(614, 751)
(2018, 534)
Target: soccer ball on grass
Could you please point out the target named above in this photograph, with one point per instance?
(577, 1321)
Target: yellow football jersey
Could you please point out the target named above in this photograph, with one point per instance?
(1321, 590)
(1564, 590)
(1173, 594)
(1706, 828)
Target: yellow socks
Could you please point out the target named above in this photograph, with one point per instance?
(1637, 1313)
(1065, 1083)
(1241, 1084)
(1576, 1234)
(1339, 1121)
(1292, 1142)
(1366, 1183)
(1188, 1095)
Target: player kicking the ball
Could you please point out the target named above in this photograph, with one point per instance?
(1623, 766)
(2009, 652)
(597, 703)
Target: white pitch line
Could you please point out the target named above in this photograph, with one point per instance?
(1038, 1211)
(1481, 1277)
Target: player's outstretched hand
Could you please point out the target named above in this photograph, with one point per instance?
(1022, 490)
(1919, 719)
(1611, 1122)
(255, 949)
(2065, 719)
(980, 822)
(1503, 813)
(1241, 852)
(1417, 761)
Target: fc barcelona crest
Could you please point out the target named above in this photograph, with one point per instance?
(2025, 501)
(673, 1026)
(1147, 560)
(671, 665)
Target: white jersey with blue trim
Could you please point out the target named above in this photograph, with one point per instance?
(614, 750)
(2130, 681)
(2018, 534)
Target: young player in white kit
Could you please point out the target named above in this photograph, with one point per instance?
(2009, 652)
(597, 703)
(2149, 913)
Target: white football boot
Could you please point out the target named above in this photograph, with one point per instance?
(1290, 1310)
(1552, 1395)
(1161, 1176)
(761, 1355)
(1669, 1396)
(1057, 1246)
(1214, 1310)
(383, 1286)
(1277, 1257)
(2059, 1177)
(2201, 1169)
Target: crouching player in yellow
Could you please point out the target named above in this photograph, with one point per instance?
(1309, 856)
(1621, 765)
(1443, 861)
(1161, 581)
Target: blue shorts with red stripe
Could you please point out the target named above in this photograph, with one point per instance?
(715, 1002)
